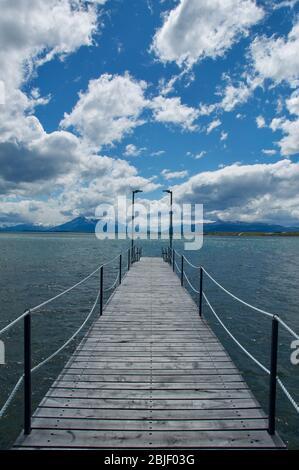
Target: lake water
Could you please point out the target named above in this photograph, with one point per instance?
(263, 271)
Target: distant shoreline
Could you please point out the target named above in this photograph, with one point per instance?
(209, 234)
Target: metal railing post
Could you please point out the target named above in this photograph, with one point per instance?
(27, 374)
(182, 270)
(173, 259)
(200, 291)
(273, 376)
(120, 268)
(101, 290)
(129, 259)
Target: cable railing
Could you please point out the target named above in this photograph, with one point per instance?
(133, 255)
(171, 256)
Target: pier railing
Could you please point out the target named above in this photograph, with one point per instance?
(178, 262)
(125, 260)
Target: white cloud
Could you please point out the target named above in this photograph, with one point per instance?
(200, 155)
(260, 122)
(277, 58)
(172, 111)
(196, 29)
(206, 109)
(258, 192)
(269, 152)
(235, 95)
(285, 4)
(224, 135)
(108, 110)
(133, 151)
(289, 144)
(170, 175)
(213, 125)
(292, 103)
(50, 177)
(158, 153)
(34, 31)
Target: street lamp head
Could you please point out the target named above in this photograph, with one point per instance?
(167, 191)
(137, 191)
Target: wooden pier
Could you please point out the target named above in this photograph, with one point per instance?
(150, 373)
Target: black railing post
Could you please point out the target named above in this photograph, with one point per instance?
(27, 374)
(120, 268)
(101, 290)
(200, 291)
(129, 259)
(182, 270)
(173, 259)
(273, 376)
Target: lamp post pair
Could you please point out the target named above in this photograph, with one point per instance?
(168, 191)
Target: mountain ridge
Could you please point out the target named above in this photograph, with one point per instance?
(83, 224)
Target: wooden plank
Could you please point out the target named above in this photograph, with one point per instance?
(125, 414)
(171, 439)
(149, 385)
(148, 424)
(149, 373)
(167, 394)
(158, 379)
(183, 404)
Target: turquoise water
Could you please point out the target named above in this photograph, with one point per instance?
(263, 271)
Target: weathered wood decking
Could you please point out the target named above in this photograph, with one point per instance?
(150, 373)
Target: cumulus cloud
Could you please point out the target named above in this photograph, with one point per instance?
(258, 192)
(277, 58)
(196, 29)
(108, 110)
(292, 103)
(44, 159)
(235, 95)
(172, 111)
(260, 122)
(158, 153)
(34, 31)
(133, 151)
(224, 135)
(200, 155)
(289, 144)
(213, 125)
(269, 152)
(270, 58)
(50, 177)
(171, 175)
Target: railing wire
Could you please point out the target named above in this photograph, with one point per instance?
(34, 309)
(268, 314)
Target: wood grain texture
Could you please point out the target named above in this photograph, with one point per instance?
(149, 373)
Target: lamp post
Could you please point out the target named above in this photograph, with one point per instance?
(170, 217)
(136, 191)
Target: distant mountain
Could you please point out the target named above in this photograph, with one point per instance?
(80, 224)
(23, 228)
(247, 227)
(84, 225)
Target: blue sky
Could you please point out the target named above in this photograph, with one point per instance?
(100, 97)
